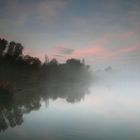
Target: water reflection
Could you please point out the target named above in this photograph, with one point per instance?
(30, 91)
(10, 114)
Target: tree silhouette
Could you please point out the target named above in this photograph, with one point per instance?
(3, 45)
(18, 50)
(10, 50)
(53, 62)
(32, 61)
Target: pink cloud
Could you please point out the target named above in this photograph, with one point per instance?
(63, 50)
(102, 54)
(92, 49)
(88, 52)
(134, 48)
(98, 52)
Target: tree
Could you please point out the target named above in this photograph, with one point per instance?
(3, 45)
(34, 61)
(74, 62)
(46, 60)
(53, 62)
(18, 50)
(11, 48)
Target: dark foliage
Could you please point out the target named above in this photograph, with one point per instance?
(24, 81)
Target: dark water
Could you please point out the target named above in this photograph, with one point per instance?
(107, 110)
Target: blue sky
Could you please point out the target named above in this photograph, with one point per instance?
(104, 32)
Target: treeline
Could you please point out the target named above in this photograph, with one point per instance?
(15, 66)
(12, 53)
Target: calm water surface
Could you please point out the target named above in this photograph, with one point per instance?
(109, 110)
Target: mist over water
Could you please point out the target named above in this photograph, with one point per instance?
(106, 108)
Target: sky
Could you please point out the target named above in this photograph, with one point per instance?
(103, 32)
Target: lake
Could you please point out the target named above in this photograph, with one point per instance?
(108, 109)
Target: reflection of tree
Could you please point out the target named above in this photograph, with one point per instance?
(34, 87)
(34, 82)
(13, 108)
(10, 114)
